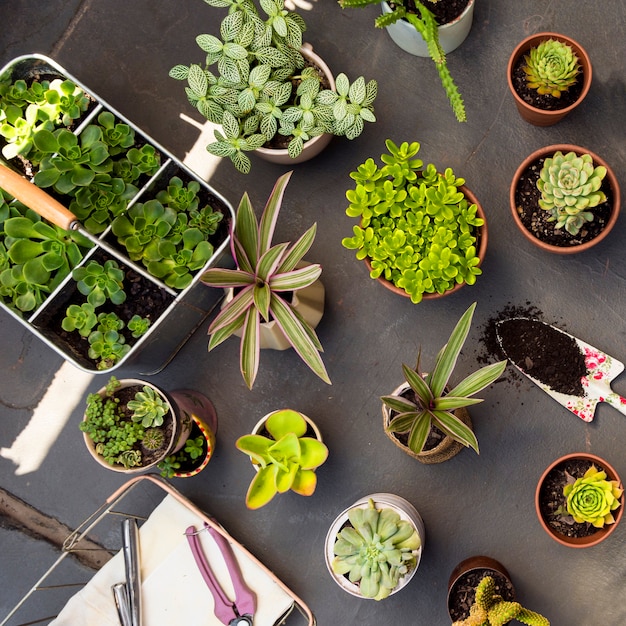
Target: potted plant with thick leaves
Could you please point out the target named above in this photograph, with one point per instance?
(426, 418)
(422, 233)
(374, 547)
(285, 448)
(264, 275)
(271, 93)
(428, 28)
(564, 198)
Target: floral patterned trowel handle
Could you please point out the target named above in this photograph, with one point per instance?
(596, 383)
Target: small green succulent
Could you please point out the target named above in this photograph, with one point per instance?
(107, 348)
(138, 326)
(116, 135)
(489, 609)
(148, 407)
(81, 318)
(551, 68)
(593, 498)
(570, 185)
(109, 321)
(194, 448)
(376, 550)
(147, 159)
(100, 282)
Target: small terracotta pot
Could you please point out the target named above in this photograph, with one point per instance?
(315, 145)
(541, 117)
(547, 152)
(602, 533)
(483, 236)
(444, 451)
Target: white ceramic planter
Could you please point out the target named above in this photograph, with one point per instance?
(382, 500)
(451, 35)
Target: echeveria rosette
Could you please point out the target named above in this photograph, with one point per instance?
(376, 550)
(593, 498)
(551, 68)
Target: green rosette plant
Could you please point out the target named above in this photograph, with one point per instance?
(100, 282)
(593, 498)
(81, 318)
(149, 407)
(434, 402)
(287, 459)
(375, 550)
(570, 185)
(551, 68)
(264, 273)
(490, 609)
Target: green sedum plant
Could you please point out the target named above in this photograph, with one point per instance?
(593, 498)
(100, 282)
(551, 68)
(425, 23)
(138, 326)
(417, 229)
(490, 609)
(149, 407)
(256, 84)
(434, 403)
(81, 318)
(376, 550)
(287, 459)
(107, 348)
(264, 274)
(570, 185)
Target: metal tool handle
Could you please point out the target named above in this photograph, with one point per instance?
(36, 199)
(130, 542)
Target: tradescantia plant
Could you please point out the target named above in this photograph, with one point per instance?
(264, 274)
(423, 20)
(375, 550)
(287, 458)
(434, 403)
(417, 228)
(490, 609)
(551, 68)
(263, 88)
(570, 185)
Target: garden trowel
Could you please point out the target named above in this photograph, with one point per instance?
(596, 368)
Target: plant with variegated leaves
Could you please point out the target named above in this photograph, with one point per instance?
(264, 274)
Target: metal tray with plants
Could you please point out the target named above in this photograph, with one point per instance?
(102, 231)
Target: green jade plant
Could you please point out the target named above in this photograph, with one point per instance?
(287, 459)
(263, 274)
(264, 89)
(425, 23)
(416, 228)
(375, 550)
(593, 498)
(570, 185)
(551, 68)
(490, 609)
(435, 403)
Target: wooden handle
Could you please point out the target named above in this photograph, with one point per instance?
(36, 199)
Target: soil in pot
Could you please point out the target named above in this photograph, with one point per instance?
(535, 219)
(464, 591)
(444, 12)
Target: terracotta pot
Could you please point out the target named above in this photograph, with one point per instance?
(382, 500)
(451, 35)
(315, 145)
(482, 251)
(541, 117)
(443, 451)
(546, 152)
(602, 533)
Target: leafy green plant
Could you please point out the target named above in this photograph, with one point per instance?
(100, 282)
(146, 159)
(194, 448)
(138, 326)
(107, 348)
(434, 403)
(375, 550)
(570, 185)
(81, 318)
(149, 407)
(425, 23)
(169, 466)
(286, 459)
(490, 609)
(263, 87)
(264, 272)
(417, 229)
(551, 68)
(179, 196)
(116, 135)
(109, 321)
(593, 498)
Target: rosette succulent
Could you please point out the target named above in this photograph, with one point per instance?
(489, 609)
(593, 498)
(148, 407)
(551, 68)
(376, 550)
(570, 185)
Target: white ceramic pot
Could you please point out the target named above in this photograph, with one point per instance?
(451, 35)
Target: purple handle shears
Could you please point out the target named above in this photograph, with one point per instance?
(241, 611)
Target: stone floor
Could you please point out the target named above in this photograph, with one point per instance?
(471, 504)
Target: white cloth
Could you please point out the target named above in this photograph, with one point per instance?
(173, 590)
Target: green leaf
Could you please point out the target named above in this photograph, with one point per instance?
(262, 488)
(270, 213)
(454, 427)
(419, 432)
(250, 347)
(296, 279)
(298, 250)
(479, 380)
